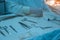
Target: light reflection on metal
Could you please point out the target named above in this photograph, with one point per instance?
(49, 2)
(52, 2)
(54, 5)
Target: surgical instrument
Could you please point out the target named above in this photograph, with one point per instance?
(53, 20)
(6, 17)
(2, 33)
(12, 28)
(45, 27)
(24, 25)
(25, 19)
(6, 30)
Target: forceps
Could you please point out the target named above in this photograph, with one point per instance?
(7, 17)
(24, 25)
(25, 19)
(4, 28)
(53, 19)
(2, 33)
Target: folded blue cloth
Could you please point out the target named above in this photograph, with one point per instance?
(55, 35)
